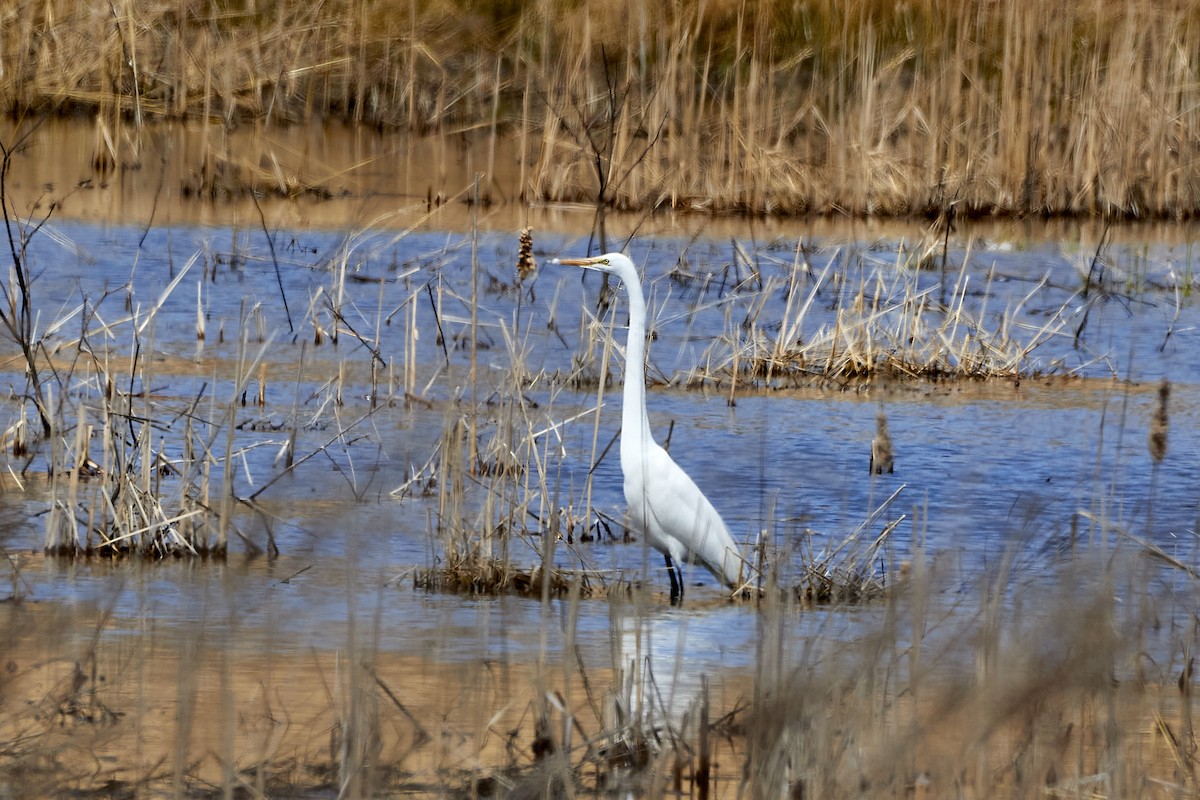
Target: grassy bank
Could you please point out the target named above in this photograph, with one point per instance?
(772, 107)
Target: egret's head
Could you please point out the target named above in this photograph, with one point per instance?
(609, 262)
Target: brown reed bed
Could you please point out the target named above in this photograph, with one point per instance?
(1075, 691)
(763, 108)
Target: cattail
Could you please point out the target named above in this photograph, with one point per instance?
(881, 447)
(1157, 440)
(526, 266)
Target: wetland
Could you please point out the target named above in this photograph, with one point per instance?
(373, 410)
(309, 484)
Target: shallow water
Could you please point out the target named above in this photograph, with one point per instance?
(990, 473)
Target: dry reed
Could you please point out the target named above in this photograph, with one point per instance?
(1056, 694)
(771, 107)
(888, 324)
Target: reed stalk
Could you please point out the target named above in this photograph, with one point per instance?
(772, 107)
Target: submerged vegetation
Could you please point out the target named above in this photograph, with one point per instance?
(769, 107)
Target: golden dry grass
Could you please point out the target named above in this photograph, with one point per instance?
(768, 107)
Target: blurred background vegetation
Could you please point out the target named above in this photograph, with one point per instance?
(867, 107)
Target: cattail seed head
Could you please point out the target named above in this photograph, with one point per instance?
(1157, 439)
(882, 456)
(526, 266)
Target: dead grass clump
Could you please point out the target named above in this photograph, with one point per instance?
(495, 474)
(134, 500)
(882, 322)
(584, 375)
(493, 577)
(842, 585)
(118, 485)
(852, 569)
(227, 178)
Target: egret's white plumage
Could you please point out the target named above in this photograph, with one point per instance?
(664, 503)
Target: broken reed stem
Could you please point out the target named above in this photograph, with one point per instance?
(375, 362)
(290, 458)
(410, 347)
(240, 375)
(474, 343)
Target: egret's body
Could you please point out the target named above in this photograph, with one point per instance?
(664, 502)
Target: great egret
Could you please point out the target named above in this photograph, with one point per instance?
(664, 503)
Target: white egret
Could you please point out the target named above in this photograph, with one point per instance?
(665, 505)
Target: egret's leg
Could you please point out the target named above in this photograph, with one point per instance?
(676, 576)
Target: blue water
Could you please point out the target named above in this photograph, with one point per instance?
(1019, 471)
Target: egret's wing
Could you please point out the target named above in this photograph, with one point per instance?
(681, 511)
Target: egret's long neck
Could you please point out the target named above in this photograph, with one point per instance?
(635, 425)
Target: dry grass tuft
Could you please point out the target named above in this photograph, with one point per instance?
(852, 570)
(888, 324)
(823, 584)
(493, 577)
